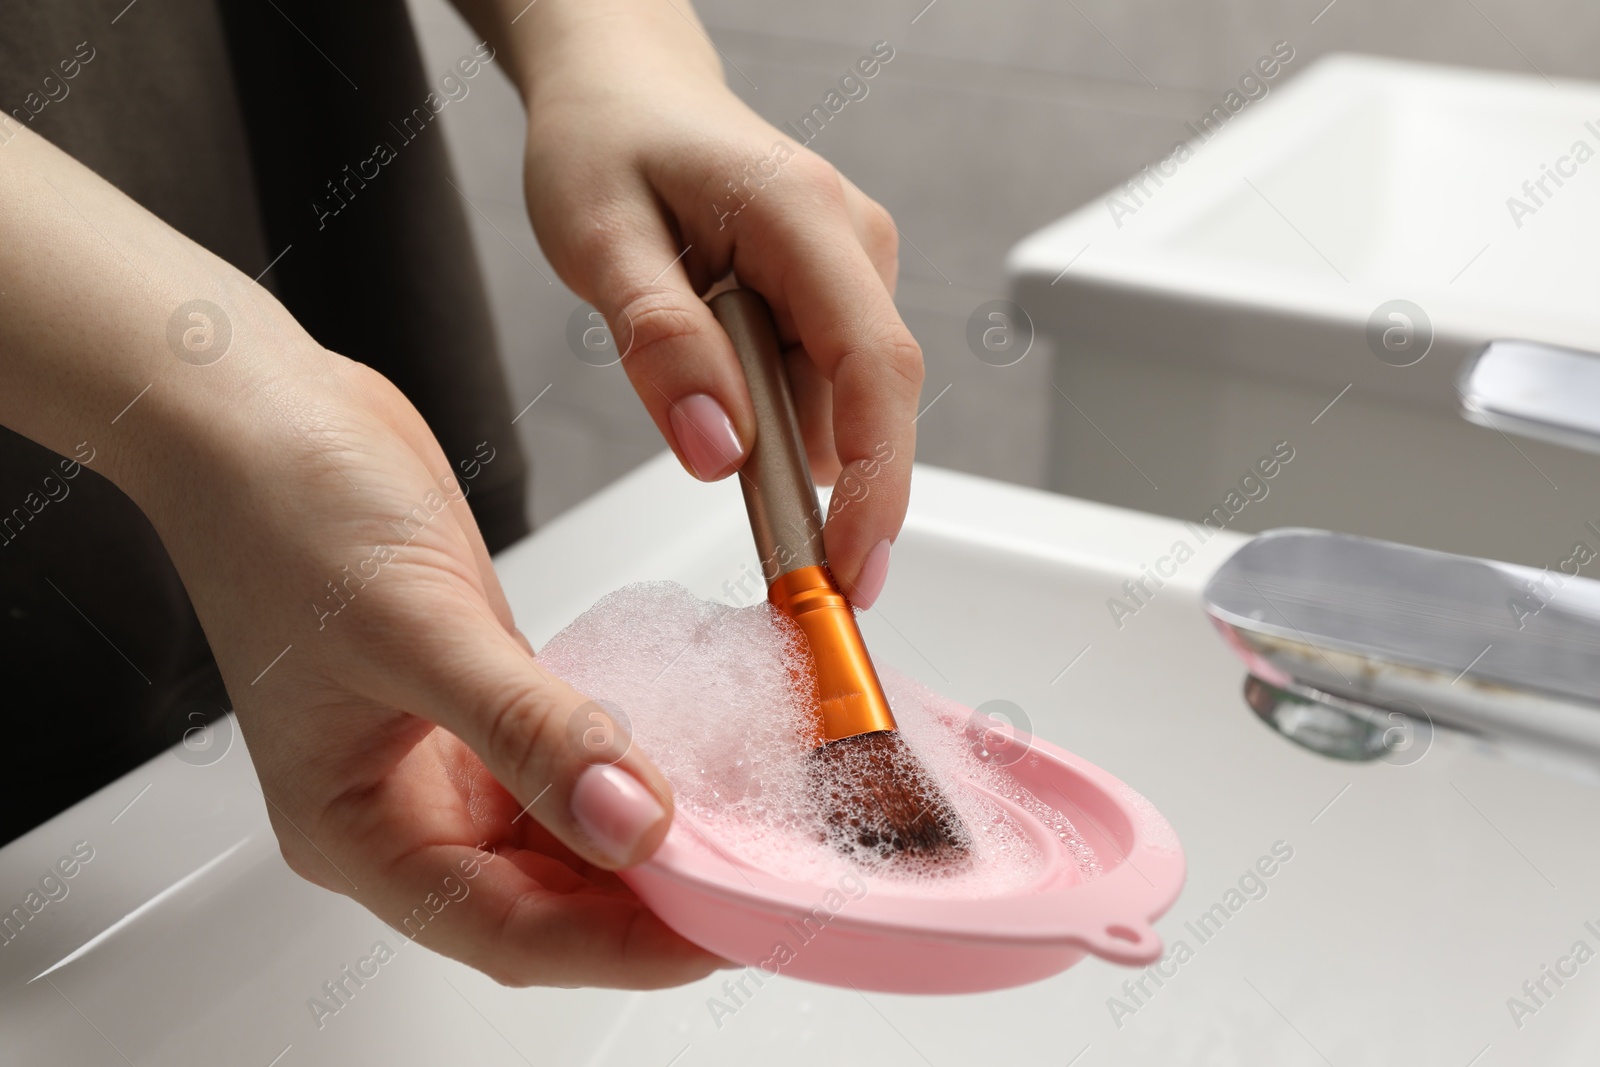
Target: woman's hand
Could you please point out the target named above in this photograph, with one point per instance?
(648, 182)
(397, 719)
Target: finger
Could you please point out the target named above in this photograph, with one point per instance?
(813, 400)
(843, 315)
(520, 905)
(679, 360)
(876, 232)
(527, 919)
(560, 754)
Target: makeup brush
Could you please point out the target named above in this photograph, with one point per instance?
(880, 797)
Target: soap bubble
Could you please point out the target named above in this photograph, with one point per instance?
(721, 699)
(999, 732)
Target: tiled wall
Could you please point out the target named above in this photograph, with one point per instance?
(992, 119)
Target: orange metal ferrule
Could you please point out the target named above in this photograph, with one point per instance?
(849, 696)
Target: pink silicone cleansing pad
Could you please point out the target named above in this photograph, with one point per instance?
(860, 933)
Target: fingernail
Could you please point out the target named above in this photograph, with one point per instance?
(869, 583)
(706, 436)
(614, 810)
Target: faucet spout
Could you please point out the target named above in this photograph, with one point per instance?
(1536, 390)
(1356, 645)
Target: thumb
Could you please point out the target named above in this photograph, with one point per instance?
(562, 755)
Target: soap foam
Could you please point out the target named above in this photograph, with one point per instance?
(709, 693)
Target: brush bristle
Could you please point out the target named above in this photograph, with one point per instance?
(882, 801)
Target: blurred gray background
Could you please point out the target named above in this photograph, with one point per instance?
(992, 120)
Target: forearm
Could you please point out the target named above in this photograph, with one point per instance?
(97, 339)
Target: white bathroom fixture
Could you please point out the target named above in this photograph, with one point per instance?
(1316, 273)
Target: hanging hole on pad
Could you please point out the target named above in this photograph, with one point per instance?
(1124, 933)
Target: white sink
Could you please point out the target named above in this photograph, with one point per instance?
(1415, 902)
(1197, 322)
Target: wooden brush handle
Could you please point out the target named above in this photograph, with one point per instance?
(787, 523)
(776, 478)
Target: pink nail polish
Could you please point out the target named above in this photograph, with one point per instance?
(614, 810)
(706, 436)
(869, 583)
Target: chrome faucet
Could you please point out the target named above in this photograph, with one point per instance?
(1359, 648)
(1536, 390)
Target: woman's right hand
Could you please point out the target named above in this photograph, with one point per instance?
(404, 737)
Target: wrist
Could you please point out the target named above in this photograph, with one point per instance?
(571, 45)
(124, 346)
(234, 378)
